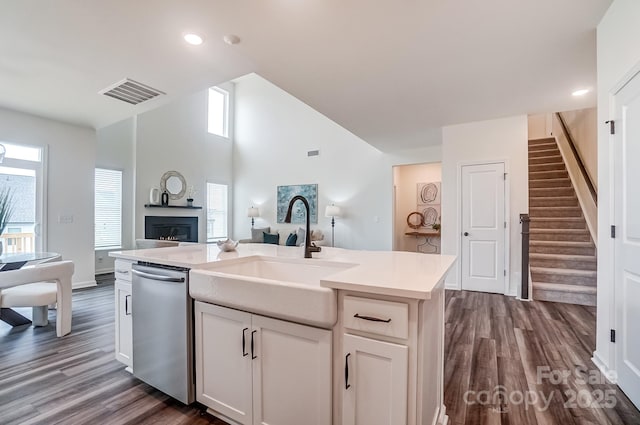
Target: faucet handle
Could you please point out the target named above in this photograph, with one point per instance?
(314, 248)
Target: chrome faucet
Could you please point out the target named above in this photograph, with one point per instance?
(308, 248)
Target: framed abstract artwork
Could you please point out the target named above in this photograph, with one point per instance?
(284, 195)
(428, 203)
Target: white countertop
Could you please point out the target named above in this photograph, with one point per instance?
(402, 274)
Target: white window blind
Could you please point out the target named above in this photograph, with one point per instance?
(217, 211)
(219, 112)
(108, 208)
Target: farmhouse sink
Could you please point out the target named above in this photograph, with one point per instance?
(284, 288)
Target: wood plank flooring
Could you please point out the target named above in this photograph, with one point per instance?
(490, 340)
(501, 352)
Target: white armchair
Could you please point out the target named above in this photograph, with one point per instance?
(37, 287)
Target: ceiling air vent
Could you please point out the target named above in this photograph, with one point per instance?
(131, 91)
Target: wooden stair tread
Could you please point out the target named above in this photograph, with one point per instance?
(563, 287)
(562, 243)
(571, 272)
(577, 257)
(543, 230)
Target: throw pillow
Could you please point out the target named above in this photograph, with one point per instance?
(301, 236)
(292, 239)
(256, 234)
(271, 238)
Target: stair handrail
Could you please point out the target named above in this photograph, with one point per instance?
(584, 188)
(576, 154)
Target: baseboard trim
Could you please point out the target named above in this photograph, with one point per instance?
(603, 367)
(84, 284)
(452, 286)
(105, 271)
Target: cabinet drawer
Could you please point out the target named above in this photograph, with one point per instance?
(376, 316)
(123, 270)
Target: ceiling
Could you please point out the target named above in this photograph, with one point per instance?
(392, 72)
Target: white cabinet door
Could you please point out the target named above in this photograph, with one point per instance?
(124, 338)
(375, 387)
(291, 373)
(223, 361)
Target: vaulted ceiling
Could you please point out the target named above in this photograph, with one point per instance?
(390, 71)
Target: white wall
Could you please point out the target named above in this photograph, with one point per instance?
(539, 126)
(501, 139)
(618, 53)
(406, 179)
(70, 189)
(583, 126)
(116, 150)
(175, 137)
(274, 131)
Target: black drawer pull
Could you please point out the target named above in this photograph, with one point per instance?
(126, 305)
(244, 353)
(252, 355)
(346, 372)
(371, 319)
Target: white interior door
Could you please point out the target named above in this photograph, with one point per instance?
(483, 227)
(627, 242)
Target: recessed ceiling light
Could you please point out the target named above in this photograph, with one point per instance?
(580, 92)
(193, 39)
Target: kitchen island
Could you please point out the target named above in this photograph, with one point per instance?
(348, 337)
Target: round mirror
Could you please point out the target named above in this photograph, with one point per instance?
(174, 183)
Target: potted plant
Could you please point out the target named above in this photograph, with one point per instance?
(437, 226)
(6, 210)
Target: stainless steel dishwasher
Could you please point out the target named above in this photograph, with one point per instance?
(162, 315)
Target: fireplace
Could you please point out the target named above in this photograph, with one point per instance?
(183, 229)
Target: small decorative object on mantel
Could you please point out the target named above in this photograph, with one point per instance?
(165, 198)
(190, 194)
(154, 196)
(227, 245)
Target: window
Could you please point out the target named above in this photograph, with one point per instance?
(219, 112)
(108, 209)
(22, 172)
(217, 212)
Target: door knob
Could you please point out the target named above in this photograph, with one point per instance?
(466, 233)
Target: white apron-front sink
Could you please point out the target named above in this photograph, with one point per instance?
(284, 288)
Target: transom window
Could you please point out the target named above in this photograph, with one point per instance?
(219, 112)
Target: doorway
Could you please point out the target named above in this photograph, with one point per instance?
(483, 227)
(416, 189)
(627, 237)
(22, 173)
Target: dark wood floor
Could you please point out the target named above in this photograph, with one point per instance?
(491, 340)
(510, 349)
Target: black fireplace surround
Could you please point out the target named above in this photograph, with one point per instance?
(183, 229)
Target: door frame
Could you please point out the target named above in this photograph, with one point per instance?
(613, 317)
(41, 204)
(507, 217)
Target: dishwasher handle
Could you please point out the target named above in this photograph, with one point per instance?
(160, 277)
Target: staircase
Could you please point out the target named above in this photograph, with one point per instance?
(562, 254)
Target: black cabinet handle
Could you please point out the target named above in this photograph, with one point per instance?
(371, 319)
(252, 355)
(346, 372)
(244, 353)
(126, 305)
(466, 233)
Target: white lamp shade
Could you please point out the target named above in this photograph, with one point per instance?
(332, 211)
(253, 212)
